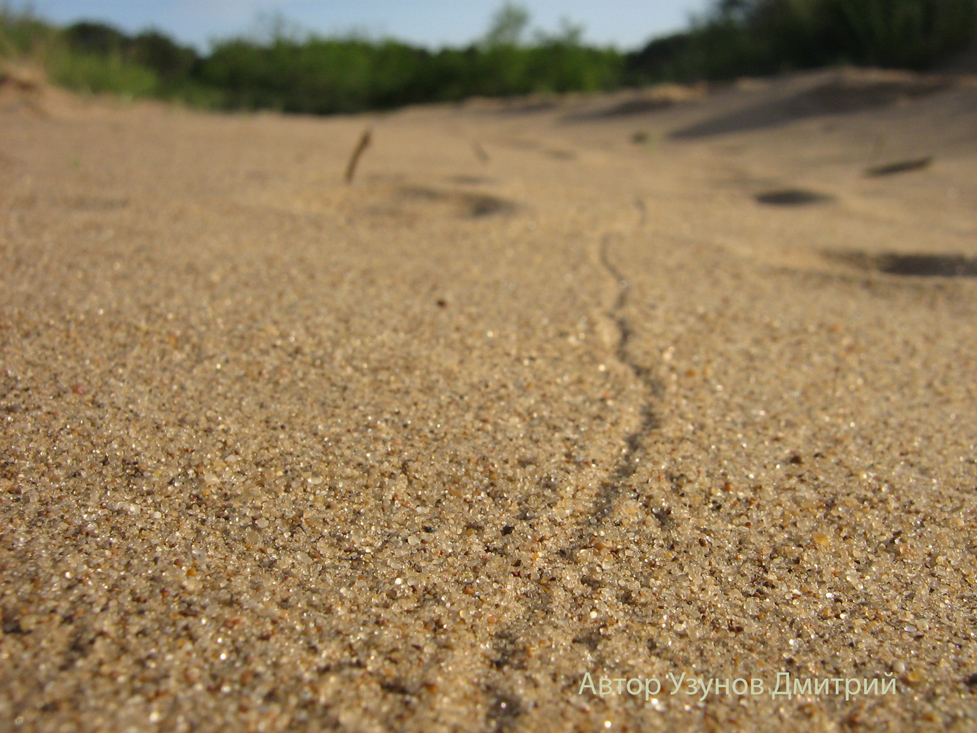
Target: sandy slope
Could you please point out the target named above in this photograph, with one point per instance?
(670, 383)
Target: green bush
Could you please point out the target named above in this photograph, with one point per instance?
(95, 38)
(769, 36)
(169, 60)
(85, 57)
(97, 74)
(914, 34)
(23, 35)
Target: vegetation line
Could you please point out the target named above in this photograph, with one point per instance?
(282, 69)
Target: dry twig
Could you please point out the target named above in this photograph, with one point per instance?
(362, 145)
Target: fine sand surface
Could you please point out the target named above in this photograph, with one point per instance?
(678, 382)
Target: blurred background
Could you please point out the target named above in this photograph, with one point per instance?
(309, 57)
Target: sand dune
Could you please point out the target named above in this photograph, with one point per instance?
(665, 383)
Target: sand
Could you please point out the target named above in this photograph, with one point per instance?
(559, 402)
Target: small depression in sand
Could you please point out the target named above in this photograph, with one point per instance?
(473, 180)
(466, 204)
(910, 264)
(903, 166)
(792, 197)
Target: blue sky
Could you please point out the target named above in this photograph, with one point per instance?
(626, 24)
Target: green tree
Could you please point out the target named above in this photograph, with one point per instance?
(158, 52)
(508, 26)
